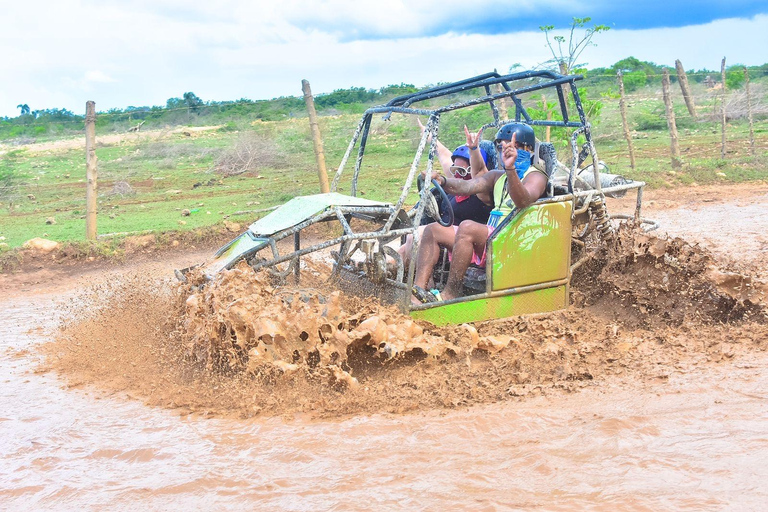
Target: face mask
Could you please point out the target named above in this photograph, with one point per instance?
(523, 162)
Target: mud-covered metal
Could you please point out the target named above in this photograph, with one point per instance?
(532, 247)
(528, 256)
(478, 308)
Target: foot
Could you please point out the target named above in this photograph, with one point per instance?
(421, 296)
(449, 293)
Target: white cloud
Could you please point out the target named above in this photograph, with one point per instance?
(97, 76)
(142, 52)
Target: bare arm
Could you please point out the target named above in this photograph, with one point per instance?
(443, 153)
(460, 187)
(478, 167)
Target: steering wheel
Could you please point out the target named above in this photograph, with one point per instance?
(433, 207)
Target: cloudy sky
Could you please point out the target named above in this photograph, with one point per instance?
(60, 53)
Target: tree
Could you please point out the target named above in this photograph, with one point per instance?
(567, 58)
(192, 102)
(24, 109)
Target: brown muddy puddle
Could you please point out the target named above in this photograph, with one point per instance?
(648, 393)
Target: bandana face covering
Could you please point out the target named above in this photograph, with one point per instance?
(523, 162)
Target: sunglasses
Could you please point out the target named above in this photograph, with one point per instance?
(461, 172)
(518, 145)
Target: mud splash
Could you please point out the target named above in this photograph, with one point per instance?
(242, 347)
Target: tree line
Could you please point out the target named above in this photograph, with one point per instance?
(191, 109)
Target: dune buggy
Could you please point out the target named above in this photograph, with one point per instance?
(528, 267)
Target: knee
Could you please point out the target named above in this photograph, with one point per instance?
(467, 230)
(427, 234)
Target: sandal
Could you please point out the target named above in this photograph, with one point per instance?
(423, 295)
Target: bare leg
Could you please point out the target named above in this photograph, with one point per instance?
(471, 237)
(435, 236)
(405, 249)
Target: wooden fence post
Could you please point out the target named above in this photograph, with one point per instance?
(549, 116)
(502, 104)
(624, 123)
(682, 78)
(749, 113)
(670, 119)
(91, 170)
(722, 119)
(317, 141)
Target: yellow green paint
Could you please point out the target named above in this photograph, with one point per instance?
(536, 301)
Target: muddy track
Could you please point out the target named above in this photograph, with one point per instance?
(647, 394)
(243, 347)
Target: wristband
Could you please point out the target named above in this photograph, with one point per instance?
(472, 147)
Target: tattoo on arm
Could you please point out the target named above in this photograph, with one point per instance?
(470, 187)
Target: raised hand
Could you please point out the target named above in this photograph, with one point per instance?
(422, 128)
(509, 153)
(473, 140)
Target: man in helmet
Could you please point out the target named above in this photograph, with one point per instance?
(517, 185)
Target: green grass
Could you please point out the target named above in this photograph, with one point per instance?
(163, 173)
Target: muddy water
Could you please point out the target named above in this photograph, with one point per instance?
(695, 438)
(698, 441)
(733, 225)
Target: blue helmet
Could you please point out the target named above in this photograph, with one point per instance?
(460, 152)
(463, 152)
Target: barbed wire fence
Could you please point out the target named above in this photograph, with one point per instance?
(643, 103)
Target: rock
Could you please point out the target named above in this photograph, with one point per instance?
(182, 223)
(31, 197)
(232, 227)
(185, 212)
(41, 245)
(4, 246)
(50, 220)
(139, 242)
(175, 243)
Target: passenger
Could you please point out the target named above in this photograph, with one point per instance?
(519, 181)
(466, 162)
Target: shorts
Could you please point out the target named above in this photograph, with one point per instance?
(478, 260)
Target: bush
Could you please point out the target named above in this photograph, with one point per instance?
(734, 79)
(650, 121)
(251, 152)
(634, 80)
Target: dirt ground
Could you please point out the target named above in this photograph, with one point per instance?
(113, 139)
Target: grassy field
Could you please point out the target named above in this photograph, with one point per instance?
(173, 170)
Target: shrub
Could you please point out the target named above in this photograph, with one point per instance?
(252, 151)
